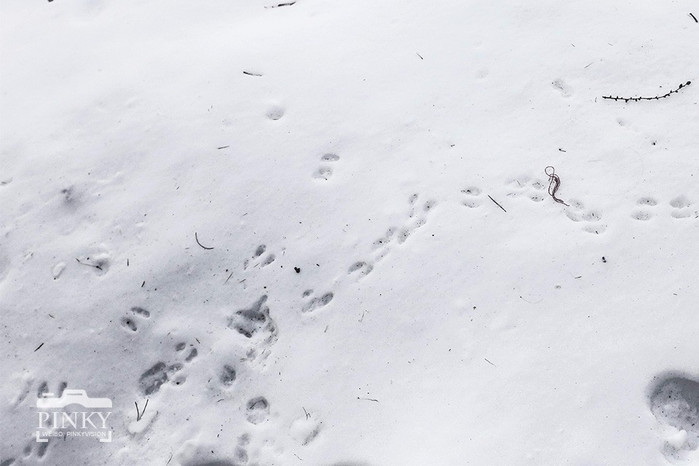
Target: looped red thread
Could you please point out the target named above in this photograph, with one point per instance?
(554, 183)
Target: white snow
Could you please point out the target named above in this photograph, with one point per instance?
(365, 144)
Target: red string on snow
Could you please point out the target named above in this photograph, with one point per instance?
(554, 184)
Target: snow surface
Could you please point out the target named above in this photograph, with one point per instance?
(359, 142)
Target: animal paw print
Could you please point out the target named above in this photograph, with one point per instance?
(642, 213)
(161, 372)
(675, 404)
(385, 239)
(325, 171)
(275, 112)
(250, 321)
(305, 429)
(260, 258)
(534, 190)
(419, 212)
(43, 390)
(360, 268)
(562, 87)
(255, 323)
(314, 303)
(591, 218)
(257, 410)
(227, 375)
(680, 207)
(471, 197)
(34, 448)
(198, 454)
(417, 218)
(132, 321)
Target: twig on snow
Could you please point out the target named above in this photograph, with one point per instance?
(89, 265)
(497, 203)
(281, 4)
(657, 97)
(197, 240)
(139, 414)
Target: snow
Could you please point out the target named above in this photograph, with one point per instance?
(354, 295)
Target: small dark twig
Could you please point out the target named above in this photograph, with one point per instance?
(657, 97)
(694, 17)
(139, 414)
(554, 184)
(197, 240)
(486, 360)
(280, 5)
(89, 265)
(38, 347)
(368, 399)
(497, 203)
(252, 74)
(223, 147)
(419, 56)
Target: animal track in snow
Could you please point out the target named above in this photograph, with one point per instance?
(385, 239)
(305, 429)
(43, 389)
(255, 323)
(471, 198)
(361, 268)
(260, 258)
(161, 372)
(643, 214)
(275, 112)
(674, 401)
(203, 456)
(417, 218)
(32, 446)
(590, 218)
(562, 87)
(227, 375)
(314, 303)
(680, 207)
(252, 320)
(131, 322)
(325, 171)
(257, 410)
(533, 189)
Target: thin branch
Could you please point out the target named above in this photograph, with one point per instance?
(657, 97)
(89, 265)
(497, 203)
(197, 240)
(139, 414)
(281, 4)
